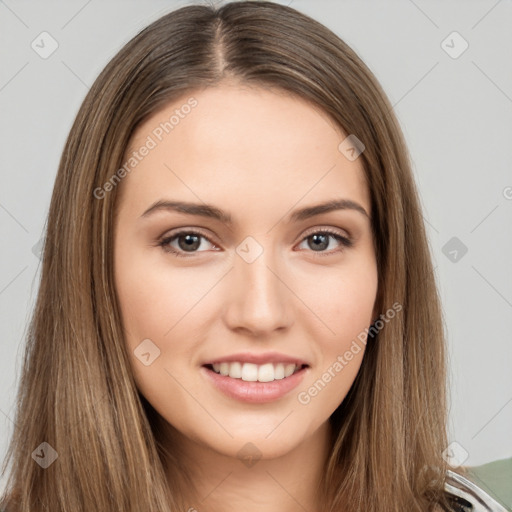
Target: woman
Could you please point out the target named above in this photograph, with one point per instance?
(189, 350)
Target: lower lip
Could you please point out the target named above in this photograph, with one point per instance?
(254, 392)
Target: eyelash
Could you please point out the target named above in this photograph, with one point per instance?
(345, 242)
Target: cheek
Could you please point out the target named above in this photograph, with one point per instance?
(166, 306)
(342, 299)
(342, 302)
(340, 348)
(153, 309)
(153, 298)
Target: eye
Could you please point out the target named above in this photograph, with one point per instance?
(188, 242)
(320, 240)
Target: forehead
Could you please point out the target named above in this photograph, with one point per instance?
(252, 146)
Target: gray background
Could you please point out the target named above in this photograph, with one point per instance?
(455, 111)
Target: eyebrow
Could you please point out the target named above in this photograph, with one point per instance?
(211, 211)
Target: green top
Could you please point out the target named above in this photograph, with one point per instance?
(485, 488)
(495, 478)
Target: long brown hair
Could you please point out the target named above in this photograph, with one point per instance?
(77, 392)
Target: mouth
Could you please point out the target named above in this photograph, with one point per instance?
(251, 372)
(255, 383)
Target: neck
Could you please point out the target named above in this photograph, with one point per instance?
(216, 482)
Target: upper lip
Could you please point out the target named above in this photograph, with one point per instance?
(265, 357)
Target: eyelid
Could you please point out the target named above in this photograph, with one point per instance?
(342, 236)
(166, 238)
(309, 231)
(331, 230)
(185, 231)
(345, 241)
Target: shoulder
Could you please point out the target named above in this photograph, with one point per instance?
(484, 488)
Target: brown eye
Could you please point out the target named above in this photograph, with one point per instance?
(319, 241)
(187, 241)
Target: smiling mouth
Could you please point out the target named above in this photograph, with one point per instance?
(250, 372)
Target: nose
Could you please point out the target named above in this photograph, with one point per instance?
(259, 301)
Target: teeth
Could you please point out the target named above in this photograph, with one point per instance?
(289, 369)
(266, 372)
(235, 370)
(279, 371)
(251, 372)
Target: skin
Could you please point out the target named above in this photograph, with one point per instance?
(258, 154)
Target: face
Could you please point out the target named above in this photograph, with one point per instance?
(246, 278)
